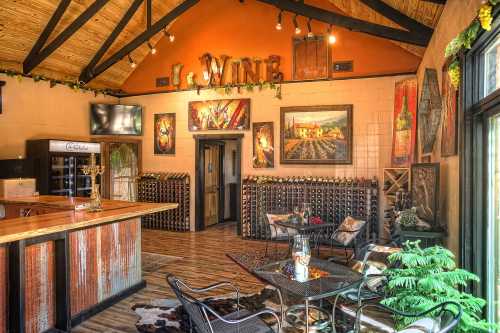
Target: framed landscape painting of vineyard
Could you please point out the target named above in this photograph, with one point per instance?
(316, 134)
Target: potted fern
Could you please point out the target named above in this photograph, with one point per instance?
(427, 277)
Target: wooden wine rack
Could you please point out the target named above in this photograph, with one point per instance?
(166, 187)
(332, 199)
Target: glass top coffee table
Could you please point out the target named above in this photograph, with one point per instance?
(314, 231)
(326, 279)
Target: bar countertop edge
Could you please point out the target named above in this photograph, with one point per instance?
(66, 219)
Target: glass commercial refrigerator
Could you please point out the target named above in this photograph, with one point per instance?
(58, 166)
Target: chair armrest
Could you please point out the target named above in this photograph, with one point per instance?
(243, 319)
(441, 306)
(214, 286)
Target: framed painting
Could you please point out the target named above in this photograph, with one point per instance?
(311, 58)
(429, 112)
(316, 134)
(404, 134)
(263, 145)
(164, 134)
(449, 128)
(425, 191)
(223, 114)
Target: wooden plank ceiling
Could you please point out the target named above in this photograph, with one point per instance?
(22, 21)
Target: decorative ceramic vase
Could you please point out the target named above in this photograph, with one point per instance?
(301, 255)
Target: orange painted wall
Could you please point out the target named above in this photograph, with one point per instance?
(248, 30)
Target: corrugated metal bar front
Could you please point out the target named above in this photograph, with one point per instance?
(103, 262)
(39, 287)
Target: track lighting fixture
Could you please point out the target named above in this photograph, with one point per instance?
(131, 62)
(170, 36)
(152, 48)
(296, 24)
(331, 37)
(309, 29)
(278, 24)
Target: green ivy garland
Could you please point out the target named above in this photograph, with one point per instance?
(466, 38)
(75, 86)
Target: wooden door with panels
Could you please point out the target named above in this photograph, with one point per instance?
(212, 183)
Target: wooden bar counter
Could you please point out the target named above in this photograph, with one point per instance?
(60, 265)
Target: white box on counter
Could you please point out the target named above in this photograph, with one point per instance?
(17, 187)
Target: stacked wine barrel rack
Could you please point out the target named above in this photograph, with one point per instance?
(331, 199)
(166, 187)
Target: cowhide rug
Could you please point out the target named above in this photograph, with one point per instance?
(168, 316)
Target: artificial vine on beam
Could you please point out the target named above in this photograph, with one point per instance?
(466, 38)
(227, 89)
(75, 86)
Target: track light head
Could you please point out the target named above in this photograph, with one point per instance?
(131, 62)
(278, 24)
(309, 29)
(296, 24)
(152, 48)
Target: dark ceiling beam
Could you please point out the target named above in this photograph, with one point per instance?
(49, 28)
(30, 63)
(149, 13)
(399, 18)
(319, 14)
(88, 71)
(144, 37)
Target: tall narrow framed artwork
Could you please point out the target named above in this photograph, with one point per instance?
(404, 123)
(449, 128)
(425, 191)
(223, 114)
(164, 134)
(429, 112)
(263, 145)
(316, 134)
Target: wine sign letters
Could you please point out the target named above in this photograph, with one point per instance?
(215, 71)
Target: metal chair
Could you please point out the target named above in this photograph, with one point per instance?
(240, 321)
(355, 245)
(363, 293)
(448, 319)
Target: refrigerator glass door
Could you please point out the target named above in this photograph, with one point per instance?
(62, 174)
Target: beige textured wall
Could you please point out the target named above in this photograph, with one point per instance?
(373, 103)
(457, 15)
(34, 110)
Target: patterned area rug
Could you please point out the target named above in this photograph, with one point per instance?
(152, 262)
(168, 316)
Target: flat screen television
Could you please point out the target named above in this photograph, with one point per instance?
(115, 119)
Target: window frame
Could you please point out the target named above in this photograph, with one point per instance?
(474, 156)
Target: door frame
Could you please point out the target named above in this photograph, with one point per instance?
(200, 141)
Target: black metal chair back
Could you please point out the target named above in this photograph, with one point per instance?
(193, 307)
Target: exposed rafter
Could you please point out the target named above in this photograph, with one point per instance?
(149, 13)
(35, 58)
(397, 17)
(319, 14)
(87, 72)
(142, 38)
(49, 28)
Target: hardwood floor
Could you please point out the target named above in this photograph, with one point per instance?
(203, 261)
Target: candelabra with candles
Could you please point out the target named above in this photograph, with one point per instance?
(93, 171)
